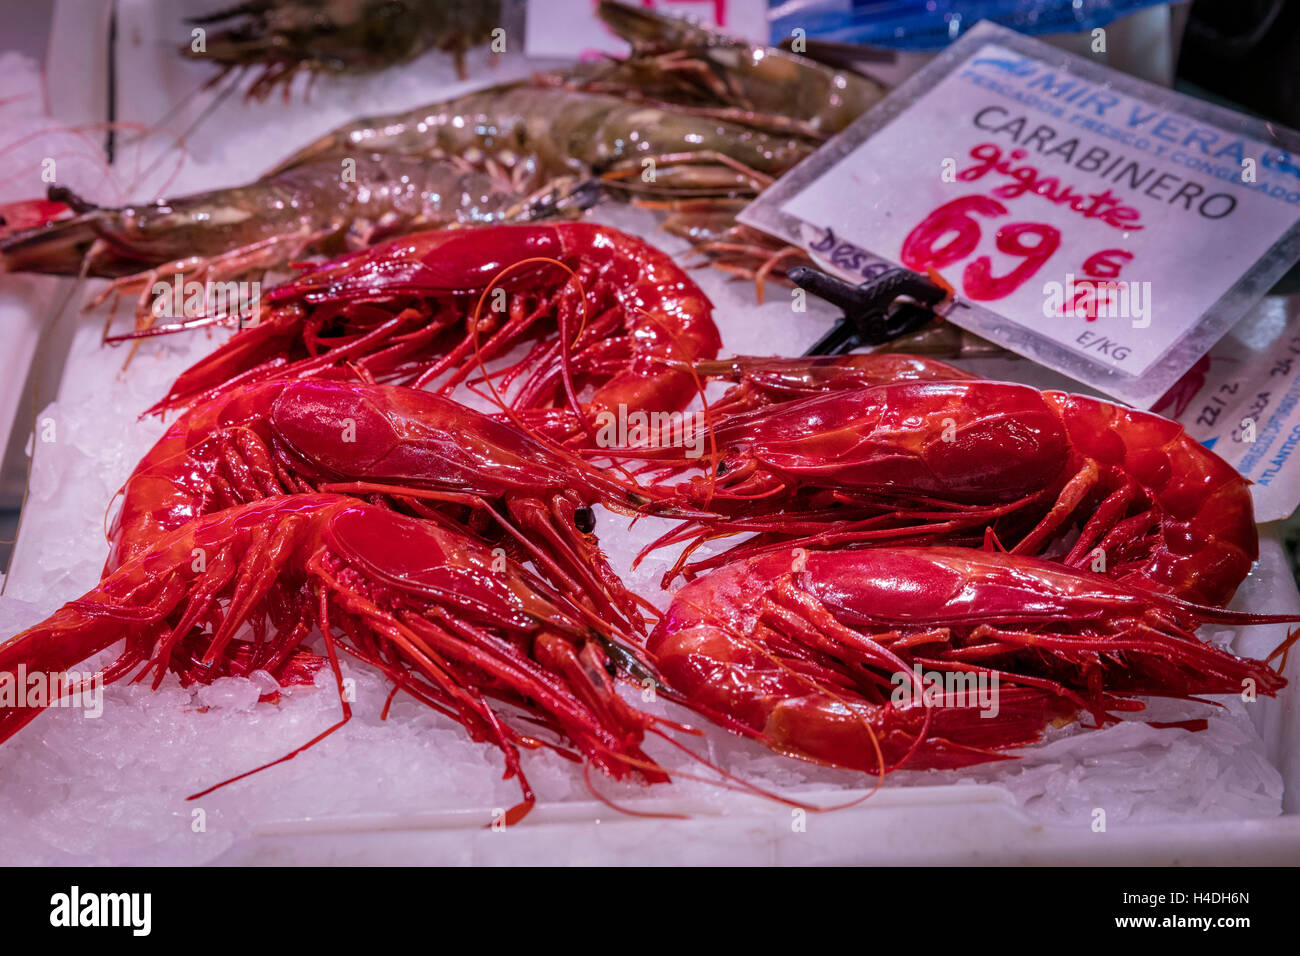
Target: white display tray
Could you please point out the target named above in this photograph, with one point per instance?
(84, 816)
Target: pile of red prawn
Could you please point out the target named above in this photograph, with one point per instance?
(322, 495)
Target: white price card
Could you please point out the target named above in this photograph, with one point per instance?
(1107, 228)
(570, 28)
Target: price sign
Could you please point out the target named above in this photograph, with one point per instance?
(1105, 227)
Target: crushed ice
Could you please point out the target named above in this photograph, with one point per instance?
(110, 790)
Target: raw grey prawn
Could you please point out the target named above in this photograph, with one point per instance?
(241, 232)
(678, 62)
(1078, 479)
(725, 244)
(283, 38)
(599, 309)
(568, 132)
(405, 448)
(486, 644)
(815, 654)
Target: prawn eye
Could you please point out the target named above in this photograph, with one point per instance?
(722, 468)
(585, 520)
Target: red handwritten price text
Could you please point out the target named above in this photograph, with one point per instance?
(922, 248)
(953, 231)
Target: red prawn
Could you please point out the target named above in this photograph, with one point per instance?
(1079, 479)
(417, 450)
(605, 312)
(435, 611)
(816, 653)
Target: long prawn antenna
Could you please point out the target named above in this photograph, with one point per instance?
(708, 465)
(220, 97)
(628, 485)
(871, 314)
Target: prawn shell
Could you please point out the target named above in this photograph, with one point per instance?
(940, 438)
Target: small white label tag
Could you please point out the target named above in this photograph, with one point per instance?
(570, 28)
(1107, 228)
(1242, 400)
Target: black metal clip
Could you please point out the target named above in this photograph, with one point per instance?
(871, 314)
